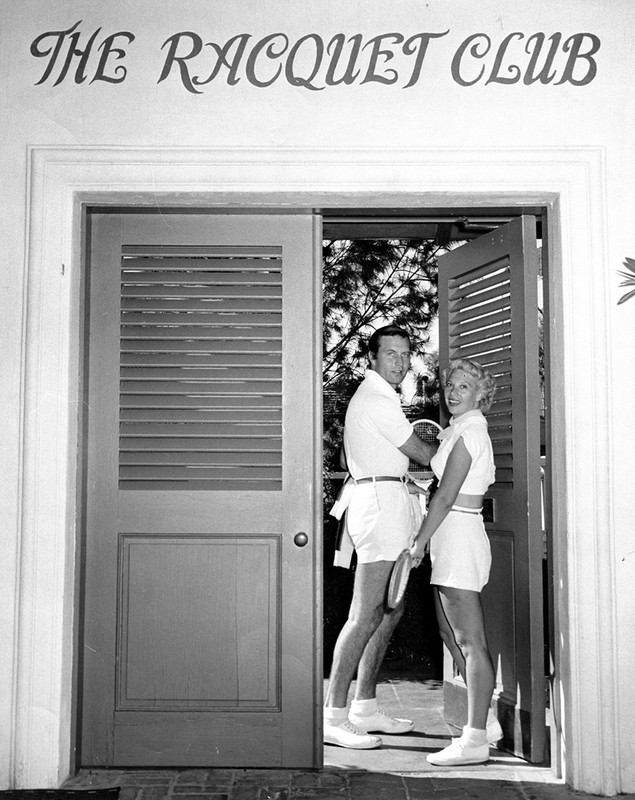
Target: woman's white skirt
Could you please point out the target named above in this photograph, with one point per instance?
(460, 552)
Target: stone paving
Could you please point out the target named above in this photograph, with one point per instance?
(397, 771)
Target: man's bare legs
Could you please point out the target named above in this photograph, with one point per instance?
(363, 640)
(373, 655)
(360, 648)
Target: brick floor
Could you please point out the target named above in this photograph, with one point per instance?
(326, 784)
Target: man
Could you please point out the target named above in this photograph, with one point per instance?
(378, 443)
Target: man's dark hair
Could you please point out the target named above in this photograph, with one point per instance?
(387, 330)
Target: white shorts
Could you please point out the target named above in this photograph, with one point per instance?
(460, 552)
(383, 519)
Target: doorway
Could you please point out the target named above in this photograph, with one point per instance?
(124, 577)
(483, 312)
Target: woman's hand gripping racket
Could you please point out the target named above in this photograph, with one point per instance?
(427, 430)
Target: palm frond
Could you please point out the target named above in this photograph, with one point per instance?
(629, 279)
(626, 297)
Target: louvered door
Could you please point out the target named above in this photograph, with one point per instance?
(489, 313)
(202, 412)
(201, 368)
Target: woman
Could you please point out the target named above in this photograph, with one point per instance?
(460, 552)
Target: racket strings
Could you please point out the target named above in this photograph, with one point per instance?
(427, 431)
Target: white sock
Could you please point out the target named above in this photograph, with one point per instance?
(335, 716)
(474, 736)
(364, 708)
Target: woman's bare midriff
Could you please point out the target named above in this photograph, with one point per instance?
(469, 500)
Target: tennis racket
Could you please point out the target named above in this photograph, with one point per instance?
(399, 579)
(427, 430)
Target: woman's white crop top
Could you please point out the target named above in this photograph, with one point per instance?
(472, 428)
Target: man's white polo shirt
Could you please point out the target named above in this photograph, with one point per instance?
(374, 429)
(381, 518)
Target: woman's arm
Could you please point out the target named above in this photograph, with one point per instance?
(456, 470)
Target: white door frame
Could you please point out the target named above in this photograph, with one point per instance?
(569, 182)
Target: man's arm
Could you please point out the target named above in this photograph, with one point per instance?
(418, 450)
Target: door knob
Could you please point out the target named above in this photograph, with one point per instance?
(300, 539)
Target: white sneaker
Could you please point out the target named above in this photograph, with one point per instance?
(379, 721)
(345, 734)
(494, 731)
(458, 753)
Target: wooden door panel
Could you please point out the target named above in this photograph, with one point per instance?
(166, 658)
(500, 625)
(489, 313)
(201, 468)
(233, 740)
(157, 512)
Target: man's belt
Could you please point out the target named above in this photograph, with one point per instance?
(344, 496)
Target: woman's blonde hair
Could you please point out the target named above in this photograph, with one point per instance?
(486, 381)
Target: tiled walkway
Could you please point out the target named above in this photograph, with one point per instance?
(397, 771)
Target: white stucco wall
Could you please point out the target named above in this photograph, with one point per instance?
(436, 114)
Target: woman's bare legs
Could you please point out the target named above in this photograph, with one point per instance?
(462, 627)
(447, 636)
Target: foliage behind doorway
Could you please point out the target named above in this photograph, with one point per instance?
(366, 284)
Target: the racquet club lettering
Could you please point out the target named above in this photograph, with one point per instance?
(315, 63)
